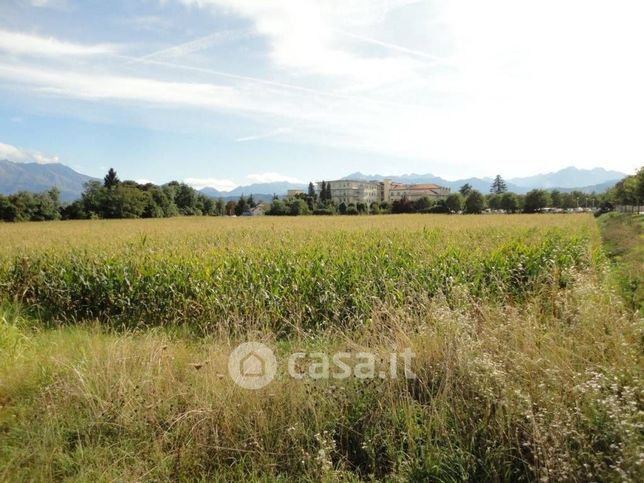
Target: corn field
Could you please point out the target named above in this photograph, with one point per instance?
(301, 274)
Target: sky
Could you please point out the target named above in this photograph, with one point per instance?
(230, 92)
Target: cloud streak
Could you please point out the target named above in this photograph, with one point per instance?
(25, 44)
(257, 137)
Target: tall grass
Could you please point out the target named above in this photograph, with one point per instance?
(291, 276)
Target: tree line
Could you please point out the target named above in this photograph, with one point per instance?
(113, 198)
(465, 200)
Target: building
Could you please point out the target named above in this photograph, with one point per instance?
(414, 192)
(355, 191)
(352, 192)
(294, 193)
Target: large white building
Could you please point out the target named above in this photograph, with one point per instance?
(355, 191)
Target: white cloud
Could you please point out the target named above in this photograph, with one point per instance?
(26, 44)
(19, 155)
(217, 183)
(303, 36)
(517, 82)
(270, 134)
(272, 178)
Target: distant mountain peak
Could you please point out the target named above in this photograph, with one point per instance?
(569, 177)
(36, 177)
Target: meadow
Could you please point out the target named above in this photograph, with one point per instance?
(115, 335)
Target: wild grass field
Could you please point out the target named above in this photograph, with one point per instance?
(115, 335)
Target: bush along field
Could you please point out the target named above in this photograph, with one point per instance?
(115, 336)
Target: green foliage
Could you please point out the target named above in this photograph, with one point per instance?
(128, 199)
(498, 185)
(298, 207)
(465, 190)
(630, 190)
(509, 202)
(622, 234)
(111, 180)
(474, 203)
(242, 206)
(454, 202)
(26, 206)
(291, 207)
(403, 205)
(535, 200)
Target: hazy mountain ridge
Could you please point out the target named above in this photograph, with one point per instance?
(257, 189)
(37, 177)
(567, 179)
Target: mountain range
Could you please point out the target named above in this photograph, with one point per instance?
(260, 191)
(40, 177)
(567, 179)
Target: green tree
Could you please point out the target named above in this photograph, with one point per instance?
(423, 204)
(640, 185)
(494, 201)
(127, 201)
(323, 197)
(111, 179)
(208, 205)
(403, 205)
(474, 203)
(231, 208)
(220, 207)
(298, 207)
(242, 206)
(93, 198)
(465, 190)
(186, 200)
(8, 211)
(509, 202)
(46, 206)
(454, 202)
(535, 200)
(498, 185)
(277, 208)
(74, 211)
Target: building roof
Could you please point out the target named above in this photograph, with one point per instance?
(424, 186)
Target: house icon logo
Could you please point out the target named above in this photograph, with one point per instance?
(252, 365)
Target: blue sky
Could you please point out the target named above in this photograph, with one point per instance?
(227, 92)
